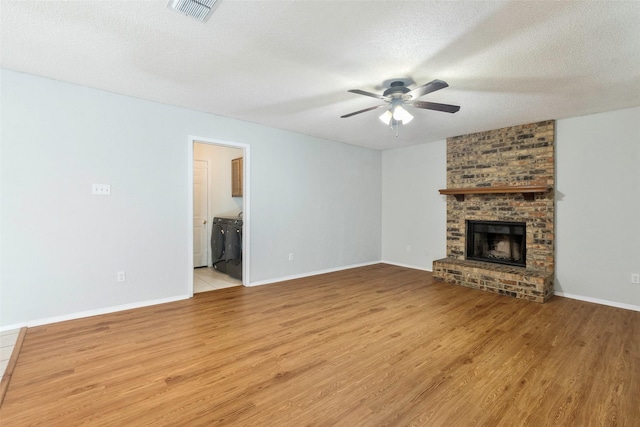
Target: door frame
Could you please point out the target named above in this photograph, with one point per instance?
(246, 206)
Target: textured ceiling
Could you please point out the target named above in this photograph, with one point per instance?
(289, 64)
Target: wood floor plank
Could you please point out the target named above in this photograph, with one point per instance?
(377, 345)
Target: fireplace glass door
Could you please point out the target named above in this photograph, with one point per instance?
(498, 242)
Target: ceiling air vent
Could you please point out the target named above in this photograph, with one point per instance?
(199, 9)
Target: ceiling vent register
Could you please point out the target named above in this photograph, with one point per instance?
(199, 9)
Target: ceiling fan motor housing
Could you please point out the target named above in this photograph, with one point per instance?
(396, 90)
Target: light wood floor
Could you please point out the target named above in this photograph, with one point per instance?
(373, 346)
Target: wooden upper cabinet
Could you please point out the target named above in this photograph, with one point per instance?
(236, 177)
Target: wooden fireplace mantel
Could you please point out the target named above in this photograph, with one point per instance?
(528, 191)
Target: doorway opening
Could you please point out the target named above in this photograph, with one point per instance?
(219, 208)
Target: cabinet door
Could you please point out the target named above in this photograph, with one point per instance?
(236, 177)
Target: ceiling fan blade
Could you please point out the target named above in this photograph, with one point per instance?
(361, 111)
(447, 108)
(427, 88)
(365, 93)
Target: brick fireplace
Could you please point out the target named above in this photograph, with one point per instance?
(502, 177)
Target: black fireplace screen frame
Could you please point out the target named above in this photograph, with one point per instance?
(517, 232)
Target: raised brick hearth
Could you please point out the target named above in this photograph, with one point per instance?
(509, 157)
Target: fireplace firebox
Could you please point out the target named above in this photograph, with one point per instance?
(497, 242)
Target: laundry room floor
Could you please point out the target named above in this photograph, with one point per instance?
(7, 342)
(208, 279)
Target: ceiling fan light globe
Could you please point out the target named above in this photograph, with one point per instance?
(400, 114)
(386, 117)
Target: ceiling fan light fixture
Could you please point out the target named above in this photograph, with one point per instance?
(386, 117)
(402, 115)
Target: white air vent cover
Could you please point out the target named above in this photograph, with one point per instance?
(199, 9)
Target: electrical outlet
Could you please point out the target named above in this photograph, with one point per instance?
(635, 279)
(121, 276)
(101, 189)
(291, 256)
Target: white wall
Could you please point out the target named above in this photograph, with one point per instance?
(413, 212)
(61, 246)
(598, 206)
(320, 203)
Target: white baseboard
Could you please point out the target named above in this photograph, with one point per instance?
(399, 264)
(599, 301)
(123, 307)
(90, 313)
(560, 294)
(313, 273)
